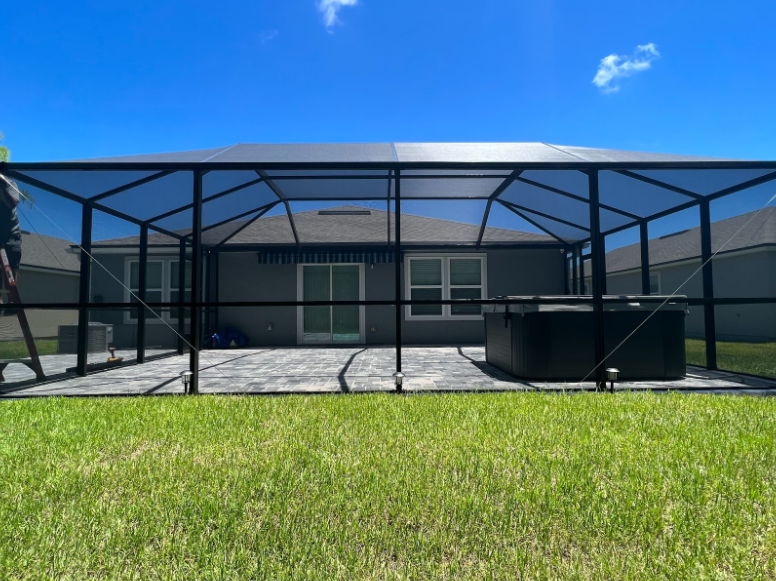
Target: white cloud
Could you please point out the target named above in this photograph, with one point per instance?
(330, 8)
(615, 67)
(266, 35)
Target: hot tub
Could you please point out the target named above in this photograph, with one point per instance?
(554, 341)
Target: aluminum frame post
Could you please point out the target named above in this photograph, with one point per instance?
(83, 289)
(181, 296)
(141, 294)
(709, 322)
(196, 284)
(576, 259)
(397, 272)
(596, 263)
(644, 244)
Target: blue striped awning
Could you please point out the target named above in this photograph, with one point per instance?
(325, 257)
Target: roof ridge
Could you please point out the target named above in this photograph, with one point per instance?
(223, 150)
(558, 148)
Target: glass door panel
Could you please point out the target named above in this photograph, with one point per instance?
(316, 282)
(345, 286)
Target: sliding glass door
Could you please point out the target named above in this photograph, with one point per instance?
(334, 323)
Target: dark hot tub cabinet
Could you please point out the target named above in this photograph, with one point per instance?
(555, 341)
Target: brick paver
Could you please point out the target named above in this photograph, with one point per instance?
(333, 370)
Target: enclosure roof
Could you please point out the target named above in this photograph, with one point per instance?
(541, 186)
(686, 245)
(372, 228)
(364, 153)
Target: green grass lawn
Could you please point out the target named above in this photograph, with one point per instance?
(754, 358)
(477, 486)
(18, 349)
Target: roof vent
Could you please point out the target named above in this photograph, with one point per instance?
(344, 213)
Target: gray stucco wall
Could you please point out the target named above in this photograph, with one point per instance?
(748, 274)
(242, 278)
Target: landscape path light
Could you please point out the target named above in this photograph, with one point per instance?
(186, 379)
(611, 376)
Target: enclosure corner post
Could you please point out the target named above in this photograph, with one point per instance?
(597, 264)
(575, 258)
(644, 244)
(710, 330)
(141, 294)
(196, 284)
(83, 289)
(181, 295)
(397, 274)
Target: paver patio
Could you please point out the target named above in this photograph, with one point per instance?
(342, 370)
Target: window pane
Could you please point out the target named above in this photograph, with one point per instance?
(317, 323)
(465, 271)
(345, 283)
(465, 293)
(153, 297)
(345, 323)
(174, 296)
(426, 294)
(154, 275)
(134, 274)
(316, 283)
(426, 271)
(174, 274)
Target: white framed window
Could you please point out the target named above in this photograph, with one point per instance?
(161, 286)
(655, 286)
(432, 277)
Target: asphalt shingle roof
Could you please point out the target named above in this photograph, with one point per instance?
(48, 252)
(314, 228)
(687, 244)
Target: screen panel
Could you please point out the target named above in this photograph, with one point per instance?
(87, 183)
(635, 196)
(704, 181)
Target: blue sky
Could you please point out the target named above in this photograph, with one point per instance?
(94, 78)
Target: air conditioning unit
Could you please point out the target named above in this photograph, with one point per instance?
(100, 336)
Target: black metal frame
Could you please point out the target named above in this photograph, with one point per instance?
(190, 246)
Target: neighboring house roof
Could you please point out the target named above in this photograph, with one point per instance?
(401, 152)
(39, 251)
(686, 244)
(316, 228)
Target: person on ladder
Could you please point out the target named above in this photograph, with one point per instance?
(10, 240)
(10, 230)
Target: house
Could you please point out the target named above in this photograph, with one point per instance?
(346, 256)
(49, 273)
(744, 267)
